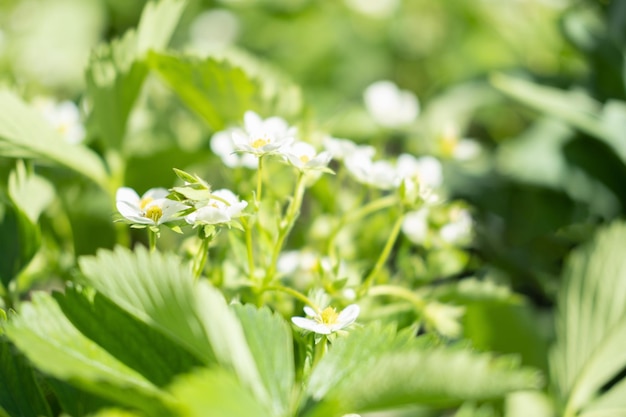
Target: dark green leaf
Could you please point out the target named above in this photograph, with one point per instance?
(129, 340)
(20, 394)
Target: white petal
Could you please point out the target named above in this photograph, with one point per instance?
(309, 311)
(127, 210)
(222, 143)
(170, 208)
(466, 149)
(310, 325)
(211, 215)
(252, 121)
(348, 315)
(127, 195)
(156, 193)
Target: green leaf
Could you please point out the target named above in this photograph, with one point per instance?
(111, 412)
(611, 404)
(156, 289)
(20, 394)
(129, 340)
(116, 72)
(371, 369)
(591, 324)
(29, 191)
(25, 134)
(229, 341)
(55, 347)
(216, 393)
(269, 338)
(76, 401)
(217, 90)
(577, 109)
(20, 240)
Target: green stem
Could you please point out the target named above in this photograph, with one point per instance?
(382, 259)
(249, 248)
(259, 183)
(285, 226)
(399, 292)
(201, 258)
(152, 239)
(320, 350)
(295, 294)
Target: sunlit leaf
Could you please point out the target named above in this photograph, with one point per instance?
(271, 345)
(591, 324)
(215, 393)
(156, 289)
(25, 134)
(56, 348)
(365, 372)
(131, 341)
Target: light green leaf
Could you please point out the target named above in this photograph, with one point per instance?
(216, 393)
(25, 134)
(20, 394)
(20, 239)
(116, 72)
(529, 403)
(269, 338)
(611, 404)
(29, 191)
(55, 347)
(229, 341)
(156, 289)
(575, 108)
(591, 324)
(129, 340)
(366, 372)
(217, 90)
(158, 22)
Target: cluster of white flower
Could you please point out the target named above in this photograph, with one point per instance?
(260, 137)
(153, 208)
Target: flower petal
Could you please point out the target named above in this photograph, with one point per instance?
(348, 315)
(127, 195)
(310, 325)
(310, 312)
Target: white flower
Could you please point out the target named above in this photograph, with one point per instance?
(63, 116)
(380, 174)
(150, 209)
(262, 137)
(444, 318)
(223, 207)
(223, 146)
(328, 320)
(427, 169)
(415, 226)
(453, 146)
(303, 157)
(459, 230)
(390, 106)
(342, 148)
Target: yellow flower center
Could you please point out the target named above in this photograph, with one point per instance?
(305, 159)
(154, 213)
(328, 316)
(145, 201)
(260, 143)
(448, 145)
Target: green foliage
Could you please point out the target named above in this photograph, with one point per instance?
(116, 72)
(371, 369)
(591, 327)
(57, 348)
(156, 290)
(20, 394)
(20, 239)
(125, 337)
(25, 134)
(215, 392)
(276, 366)
(215, 89)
